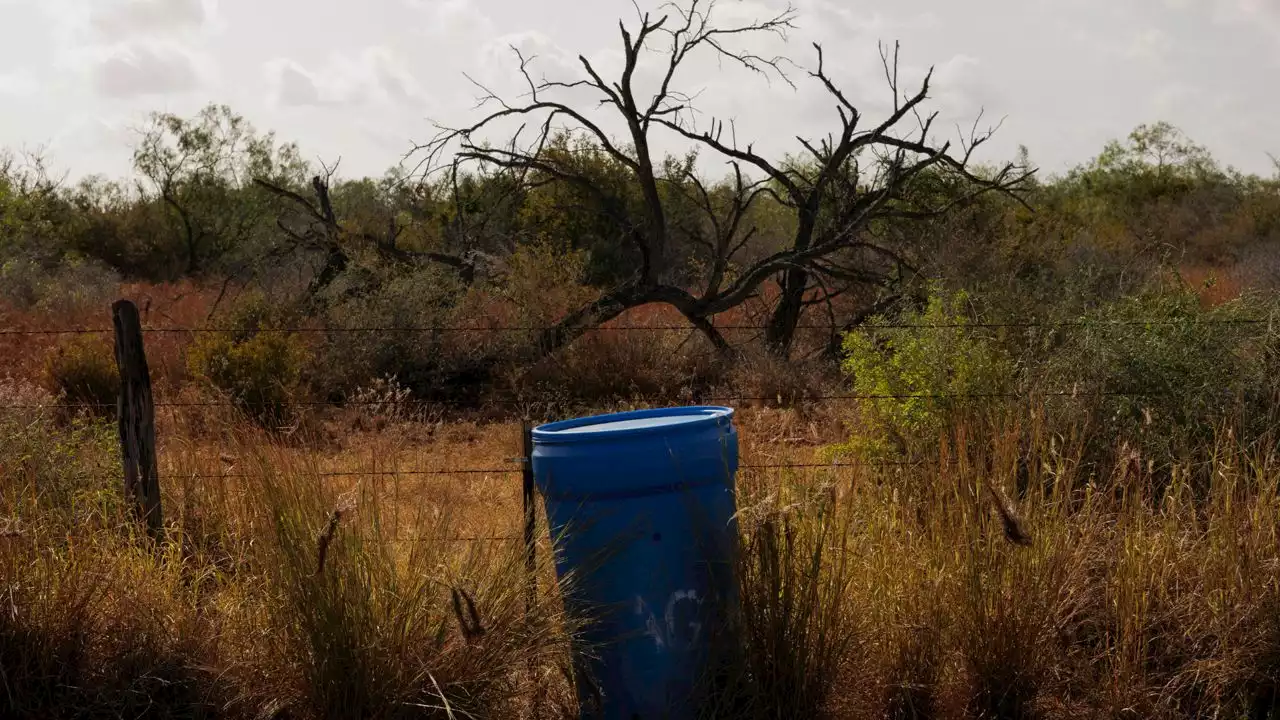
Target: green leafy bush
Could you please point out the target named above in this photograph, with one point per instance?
(544, 282)
(1160, 372)
(258, 367)
(916, 381)
(83, 372)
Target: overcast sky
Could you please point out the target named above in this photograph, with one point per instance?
(362, 80)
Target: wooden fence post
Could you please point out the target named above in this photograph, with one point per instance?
(530, 519)
(137, 416)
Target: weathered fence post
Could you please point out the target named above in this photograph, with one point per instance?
(530, 523)
(137, 416)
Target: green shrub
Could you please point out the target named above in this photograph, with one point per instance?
(543, 283)
(917, 381)
(431, 363)
(63, 286)
(1160, 373)
(260, 374)
(257, 366)
(83, 372)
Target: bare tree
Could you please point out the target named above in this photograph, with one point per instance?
(848, 180)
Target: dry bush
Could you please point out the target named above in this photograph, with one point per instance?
(384, 404)
(73, 286)
(1023, 582)
(51, 468)
(618, 364)
(415, 318)
(376, 624)
(83, 372)
(23, 394)
(1066, 600)
(763, 378)
(94, 625)
(95, 628)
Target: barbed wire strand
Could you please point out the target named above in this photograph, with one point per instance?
(509, 471)
(481, 402)
(467, 471)
(656, 328)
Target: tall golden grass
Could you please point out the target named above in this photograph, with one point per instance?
(932, 590)
(278, 595)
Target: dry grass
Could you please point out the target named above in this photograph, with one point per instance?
(934, 590)
(281, 594)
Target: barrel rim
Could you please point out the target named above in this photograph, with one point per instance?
(552, 433)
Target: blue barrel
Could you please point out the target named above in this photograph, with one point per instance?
(641, 509)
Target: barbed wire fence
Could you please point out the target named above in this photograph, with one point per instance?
(976, 325)
(128, 417)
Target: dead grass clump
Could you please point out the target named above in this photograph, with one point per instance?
(796, 633)
(384, 403)
(18, 394)
(278, 593)
(619, 364)
(93, 627)
(376, 623)
(762, 378)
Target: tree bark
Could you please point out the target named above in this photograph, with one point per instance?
(618, 301)
(335, 262)
(781, 331)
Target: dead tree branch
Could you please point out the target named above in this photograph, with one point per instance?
(850, 180)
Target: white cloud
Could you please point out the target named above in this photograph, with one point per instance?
(89, 133)
(1150, 45)
(141, 17)
(961, 89)
(1261, 15)
(1169, 98)
(834, 20)
(375, 74)
(19, 83)
(393, 79)
(292, 85)
(1246, 9)
(126, 49)
(147, 68)
(459, 19)
(394, 66)
(499, 64)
